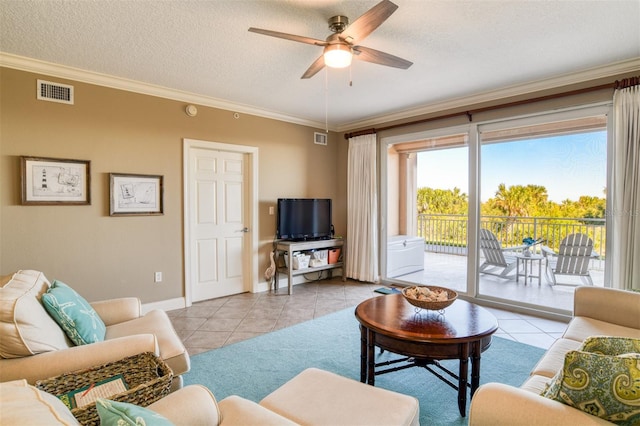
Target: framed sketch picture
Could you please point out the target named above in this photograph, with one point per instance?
(135, 194)
(55, 181)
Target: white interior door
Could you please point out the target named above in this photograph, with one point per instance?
(216, 213)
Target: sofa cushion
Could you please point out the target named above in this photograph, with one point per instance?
(605, 386)
(74, 314)
(582, 327)
(553, 359)
(497, 404)
(239, 411)
(609, 305)
(536, 384)
(23, 404)
(196, 406)
(25, 325)
(115, 413)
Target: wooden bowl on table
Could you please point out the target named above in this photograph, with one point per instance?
(429, 296)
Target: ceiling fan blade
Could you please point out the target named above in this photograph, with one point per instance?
(316, 66)
(381, 58)
(367, 23)
(301, 39)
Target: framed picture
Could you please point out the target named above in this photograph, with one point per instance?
(135, 194)
(55, 181)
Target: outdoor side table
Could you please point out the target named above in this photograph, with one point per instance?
(527, 270)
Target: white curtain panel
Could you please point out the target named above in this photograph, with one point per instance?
(626, 186)
(362, 209)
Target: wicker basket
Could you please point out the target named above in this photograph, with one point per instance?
(434, 306)
(148, 379)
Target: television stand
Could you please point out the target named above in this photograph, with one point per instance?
(286, 246)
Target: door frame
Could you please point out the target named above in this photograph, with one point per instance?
(250, 255)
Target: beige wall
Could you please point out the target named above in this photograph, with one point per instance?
(123, 132)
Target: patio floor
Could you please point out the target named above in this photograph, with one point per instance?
(450, 271)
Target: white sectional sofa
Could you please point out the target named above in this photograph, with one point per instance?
(597, 312)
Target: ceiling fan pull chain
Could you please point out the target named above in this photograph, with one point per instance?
(350, 76)
(326, 100)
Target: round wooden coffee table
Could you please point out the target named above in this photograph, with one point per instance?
(463, 331)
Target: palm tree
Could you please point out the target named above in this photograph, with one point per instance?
(511, 201)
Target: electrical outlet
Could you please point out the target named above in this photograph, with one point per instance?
(272, 210)
(157, 277)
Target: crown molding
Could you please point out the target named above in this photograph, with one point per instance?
(61, 71)
(617, 68)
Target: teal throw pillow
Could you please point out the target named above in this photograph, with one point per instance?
(605, 386)
(114, 413)
(74, 314)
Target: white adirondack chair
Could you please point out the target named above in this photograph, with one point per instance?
(497, 258)
(573, 257)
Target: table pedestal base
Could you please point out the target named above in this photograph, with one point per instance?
(460, 382)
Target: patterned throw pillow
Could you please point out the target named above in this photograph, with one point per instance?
(74, 314)
(606, 386)
(608, 345)
(114, 413)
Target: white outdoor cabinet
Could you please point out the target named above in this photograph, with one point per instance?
(405, 255)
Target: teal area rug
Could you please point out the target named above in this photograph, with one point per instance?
(256, 367)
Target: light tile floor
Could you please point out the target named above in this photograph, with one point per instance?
(219, 322)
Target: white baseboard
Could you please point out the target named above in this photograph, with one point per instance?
(180, 302)
(260, 287)
(165, 305)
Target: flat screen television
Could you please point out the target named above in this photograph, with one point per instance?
(304, 219)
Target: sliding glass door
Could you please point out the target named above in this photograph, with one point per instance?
(543, 179)
(488, 203)
(426, 204)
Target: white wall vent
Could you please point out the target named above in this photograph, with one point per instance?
(55, 92)
(319, 138)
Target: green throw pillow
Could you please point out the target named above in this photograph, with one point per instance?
(608, 345)
(74, 314)
(605, 386)
(114, 413)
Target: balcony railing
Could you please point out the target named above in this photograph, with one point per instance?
(445, 233)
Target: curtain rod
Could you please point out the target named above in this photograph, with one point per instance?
(627, 82)
(470, 113)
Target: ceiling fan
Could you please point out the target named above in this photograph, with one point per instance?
(340, 46)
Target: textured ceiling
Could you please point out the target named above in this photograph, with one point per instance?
(459, 48)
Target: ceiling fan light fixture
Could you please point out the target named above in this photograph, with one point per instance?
(340, 46)
(337, 56)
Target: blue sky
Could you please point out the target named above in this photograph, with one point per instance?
(568, 166)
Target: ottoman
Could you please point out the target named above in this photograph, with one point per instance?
(318, 397)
